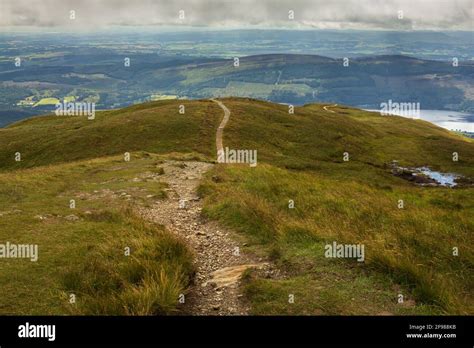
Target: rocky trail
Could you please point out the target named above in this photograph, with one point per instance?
(219, 258)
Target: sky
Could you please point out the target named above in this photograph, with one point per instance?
(225, 14)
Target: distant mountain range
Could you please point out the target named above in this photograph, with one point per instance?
(283, 78)
(301, 79)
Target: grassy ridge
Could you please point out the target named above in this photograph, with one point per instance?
(82, 250)
(306, 139)
(155, 127)
(312, 137)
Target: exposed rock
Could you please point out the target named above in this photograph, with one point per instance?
(71, 217)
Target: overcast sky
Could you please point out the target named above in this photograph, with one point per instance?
(321, 14)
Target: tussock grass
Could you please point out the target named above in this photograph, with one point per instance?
(410, 246)
(148, 282)
(86, 256)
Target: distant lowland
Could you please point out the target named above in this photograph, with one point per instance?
(433, 71)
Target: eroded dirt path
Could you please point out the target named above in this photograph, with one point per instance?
(220, 130)
(326, 108)
(219, 258)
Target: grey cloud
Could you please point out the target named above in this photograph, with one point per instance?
(336, 14)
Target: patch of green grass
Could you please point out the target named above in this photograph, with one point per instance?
(147, 282)
(85, 256)
(156, 127)
(411, 247)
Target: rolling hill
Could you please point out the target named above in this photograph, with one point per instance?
(301, 158)
(300, 79)
(282, 78)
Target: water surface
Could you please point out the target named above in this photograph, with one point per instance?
(452, 120)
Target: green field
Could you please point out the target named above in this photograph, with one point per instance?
(47, 101)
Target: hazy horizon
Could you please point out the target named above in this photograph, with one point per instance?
(405, 15)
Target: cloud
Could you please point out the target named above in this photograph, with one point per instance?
(323, 14)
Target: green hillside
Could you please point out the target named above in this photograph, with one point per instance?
(351, 202)
(310, 137)
(155, 127)
(300, 158)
